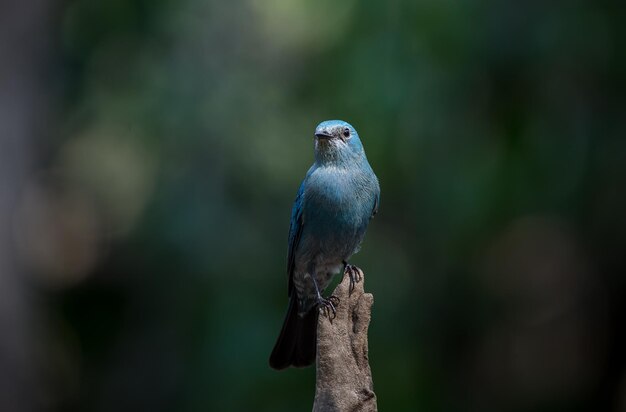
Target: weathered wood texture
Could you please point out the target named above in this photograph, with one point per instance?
(344, 379)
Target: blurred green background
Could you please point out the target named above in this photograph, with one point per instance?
(150, 152)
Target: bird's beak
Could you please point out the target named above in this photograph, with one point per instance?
(322, 135)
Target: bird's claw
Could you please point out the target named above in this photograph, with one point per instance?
(329, 307)
(355, 275)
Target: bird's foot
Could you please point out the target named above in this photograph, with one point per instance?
(329, 306)
(355, 275)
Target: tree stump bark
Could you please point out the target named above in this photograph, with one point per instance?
(344, 379)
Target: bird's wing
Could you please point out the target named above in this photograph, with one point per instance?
(295, 231)
(376, 202)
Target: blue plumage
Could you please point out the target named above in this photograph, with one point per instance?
(334, 204)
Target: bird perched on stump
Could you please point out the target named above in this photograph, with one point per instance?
(336, 200)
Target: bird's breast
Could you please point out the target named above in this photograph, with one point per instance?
(337, 198)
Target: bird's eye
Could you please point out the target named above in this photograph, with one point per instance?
(346, 132)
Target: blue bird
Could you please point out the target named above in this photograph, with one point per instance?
(335, 202)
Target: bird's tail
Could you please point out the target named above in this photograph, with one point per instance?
(296, 344)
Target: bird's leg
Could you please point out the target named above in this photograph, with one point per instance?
(353, 272)
(326, 305)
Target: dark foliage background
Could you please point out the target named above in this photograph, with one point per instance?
(150, 151)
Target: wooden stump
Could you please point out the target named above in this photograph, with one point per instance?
(344, 379)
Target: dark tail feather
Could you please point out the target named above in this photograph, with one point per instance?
(296, 344)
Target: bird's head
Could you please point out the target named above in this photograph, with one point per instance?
(337, 141)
